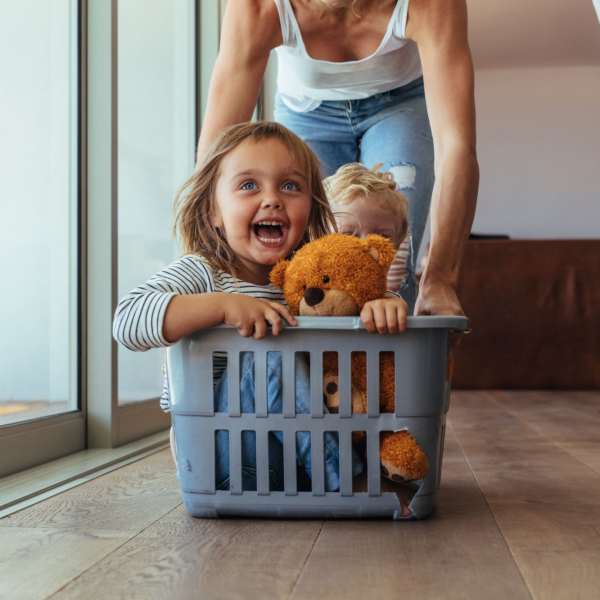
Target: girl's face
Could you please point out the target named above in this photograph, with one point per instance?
(262, 205)
(361, 217)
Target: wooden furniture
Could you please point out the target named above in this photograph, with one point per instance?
(534, 308)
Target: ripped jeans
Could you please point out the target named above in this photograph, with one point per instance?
(275, 446)
(391, 128)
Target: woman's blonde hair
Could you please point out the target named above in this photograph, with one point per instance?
(195, 202)
(354, 180)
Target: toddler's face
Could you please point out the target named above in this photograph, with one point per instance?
(360, 217)
(263, 202)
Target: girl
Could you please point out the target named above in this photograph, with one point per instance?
(256, 198)
(366, 201)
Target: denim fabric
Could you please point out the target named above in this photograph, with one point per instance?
(391, 128)
(274, 405)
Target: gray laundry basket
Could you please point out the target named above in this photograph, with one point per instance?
(422, 395)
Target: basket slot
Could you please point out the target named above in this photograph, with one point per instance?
(316, 384)
(233, 370)
(262, 463)
(289, 464)
(373, 383)
(317, 461)
(345, 448)
(235, 462)
(289, 396)
(260, 382)
(209, 459)
(344, 383)
(373, 464)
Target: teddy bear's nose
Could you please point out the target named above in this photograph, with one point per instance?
(313, 296)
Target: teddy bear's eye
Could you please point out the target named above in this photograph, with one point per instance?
(326, 279)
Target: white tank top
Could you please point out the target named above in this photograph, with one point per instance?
(303, 82)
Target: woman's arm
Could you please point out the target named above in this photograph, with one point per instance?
(250, 30)
(439, 27)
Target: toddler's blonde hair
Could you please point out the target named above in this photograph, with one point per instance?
(195, 202)
(354, 180)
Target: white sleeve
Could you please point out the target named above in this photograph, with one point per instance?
(139, 317)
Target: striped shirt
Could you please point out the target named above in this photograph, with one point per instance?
(398, 271)
(139, 317)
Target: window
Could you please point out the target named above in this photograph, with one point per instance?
(39, 211)
(156, 139)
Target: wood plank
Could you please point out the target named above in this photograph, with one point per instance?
(36, 562)
(570, 419)
(130, 499)
(182, 557)
(546, 502)
(458, 553)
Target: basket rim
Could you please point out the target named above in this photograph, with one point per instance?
(451, 322)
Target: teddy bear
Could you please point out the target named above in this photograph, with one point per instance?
(335, 276)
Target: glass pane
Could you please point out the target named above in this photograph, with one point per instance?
(38, 208)
(156, 88)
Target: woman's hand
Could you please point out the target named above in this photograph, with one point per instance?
(437, 298)
(385, 315)
(251, 315)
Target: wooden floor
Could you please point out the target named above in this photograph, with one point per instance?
(518, 517)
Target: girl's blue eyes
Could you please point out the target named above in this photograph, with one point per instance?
(288, 186)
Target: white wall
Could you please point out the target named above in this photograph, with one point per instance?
(539, 151)
(537, 93)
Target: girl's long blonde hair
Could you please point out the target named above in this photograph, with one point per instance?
(195, 202)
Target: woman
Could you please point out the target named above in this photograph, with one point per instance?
(375, 81)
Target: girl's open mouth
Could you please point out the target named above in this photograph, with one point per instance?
(270, 233)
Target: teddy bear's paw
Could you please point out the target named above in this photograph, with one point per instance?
(402, 459)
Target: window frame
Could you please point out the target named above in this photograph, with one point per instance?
(110, 424)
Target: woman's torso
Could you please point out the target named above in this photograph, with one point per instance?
(330, 58)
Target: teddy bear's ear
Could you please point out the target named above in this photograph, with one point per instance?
(277, 274)
(381, 249)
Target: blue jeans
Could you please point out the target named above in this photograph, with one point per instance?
(274, 405)
(390, 128)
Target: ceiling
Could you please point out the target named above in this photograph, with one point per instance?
(518, 33)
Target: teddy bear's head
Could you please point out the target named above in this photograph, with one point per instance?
(335, 274)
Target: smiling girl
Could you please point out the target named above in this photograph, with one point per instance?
(256, 198)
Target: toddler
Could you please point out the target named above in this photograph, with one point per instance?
(365, 201)
(256, 198)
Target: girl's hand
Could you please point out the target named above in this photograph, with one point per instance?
(251, 315)
(385, 315)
